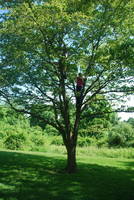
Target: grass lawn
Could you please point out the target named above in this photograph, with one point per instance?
(36, 176)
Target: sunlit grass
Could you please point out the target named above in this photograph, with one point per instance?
(94, 151)
(107, 152)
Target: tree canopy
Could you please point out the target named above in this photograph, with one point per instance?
(43, 43)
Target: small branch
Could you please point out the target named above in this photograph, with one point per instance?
(28, 112)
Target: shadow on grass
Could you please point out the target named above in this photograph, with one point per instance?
(129, 165)
(36, 177)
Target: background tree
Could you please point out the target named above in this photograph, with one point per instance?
(98, 118)
(43, 43)
(131, 121)
(121, 135)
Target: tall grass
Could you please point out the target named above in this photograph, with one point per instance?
(94, 151)
(107, 152)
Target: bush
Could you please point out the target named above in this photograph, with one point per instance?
(121, 135)
(86, 141)
(130, 143)
(2, 146)
(2, 134)
(49, 130)
(15, 142)
(102, 142)
(38, 140)
(116, 140)
(56, 140)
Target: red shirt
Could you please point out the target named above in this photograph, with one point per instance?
(80, 81)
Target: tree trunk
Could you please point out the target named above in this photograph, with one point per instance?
(71, 159)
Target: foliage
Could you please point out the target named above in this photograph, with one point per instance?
(42, 45)
(116, 140)
(21, 136)
(15, 141)
(131, 121)
(37, 47)
(56, 140)
(86, 141)
(97, 126)
(16, 133)
(130, 143)
(9, 116)
(49, 130)
(121, 135)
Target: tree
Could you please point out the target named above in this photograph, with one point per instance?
(9, 116)
(96, 125)
(43, 43)
(121, 134)
(131, 121)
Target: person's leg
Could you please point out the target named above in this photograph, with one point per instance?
(78, 88)
(78, 95)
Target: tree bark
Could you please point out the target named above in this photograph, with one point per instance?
(71, 159)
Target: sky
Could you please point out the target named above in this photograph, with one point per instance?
(126, 116)
(2, 12)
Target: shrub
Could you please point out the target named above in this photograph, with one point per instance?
(56, 140)
(120, 135)
(15, 142)
(49, 130)
(2, 144)
(86, 141)
(130, 143)
(38, 140)
(102, 142)
(2, 134)
(116, 140)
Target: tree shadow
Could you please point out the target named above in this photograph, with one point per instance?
(36, 177)
(129, 165)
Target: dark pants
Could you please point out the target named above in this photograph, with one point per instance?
(79, 93)
(78, 88)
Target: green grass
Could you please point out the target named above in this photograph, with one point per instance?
(36, 176)
(93, 151)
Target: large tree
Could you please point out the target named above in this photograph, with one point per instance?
(43, 43)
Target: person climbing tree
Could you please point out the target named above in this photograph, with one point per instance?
(79, 87)
(79, 82)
